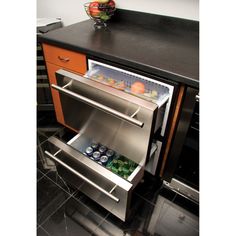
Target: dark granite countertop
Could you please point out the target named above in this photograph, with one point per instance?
(160, 45)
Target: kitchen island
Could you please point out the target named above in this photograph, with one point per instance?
(160, 52)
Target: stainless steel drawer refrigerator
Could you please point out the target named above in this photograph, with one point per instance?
(103, 110)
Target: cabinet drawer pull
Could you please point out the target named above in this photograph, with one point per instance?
(64, 59)
(85, 178)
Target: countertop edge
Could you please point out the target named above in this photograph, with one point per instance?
(148, 69)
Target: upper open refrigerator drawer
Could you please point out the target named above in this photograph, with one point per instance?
(137, 85)
(128, 82)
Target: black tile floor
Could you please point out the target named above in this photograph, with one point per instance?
(63, 210)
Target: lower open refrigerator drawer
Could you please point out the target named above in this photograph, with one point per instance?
(98, 180)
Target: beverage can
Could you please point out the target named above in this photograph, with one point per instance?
(94, 145)
(110, 153)
(89, 151)
(102, 149)
(96, 156)
(104, 159)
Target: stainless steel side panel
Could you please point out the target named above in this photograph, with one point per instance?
(129, 139)
(183, 189)
(104, 182)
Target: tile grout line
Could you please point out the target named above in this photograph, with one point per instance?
(168, 207)
(103, 219)
(42, 142)
(40, 178)
(65, 183)
(71, 194)
(77, 199)
(59, 130)
(145, 199)
(43, 173)
(44, 137)
(40, 225)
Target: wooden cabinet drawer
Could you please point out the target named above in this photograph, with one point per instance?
(65, 58)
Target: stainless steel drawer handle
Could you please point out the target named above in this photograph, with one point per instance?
(64, 59)
(85, 178)
(99, 106)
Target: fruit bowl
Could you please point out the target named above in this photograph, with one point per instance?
(100, 11)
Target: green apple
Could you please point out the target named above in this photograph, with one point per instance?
(104, 16)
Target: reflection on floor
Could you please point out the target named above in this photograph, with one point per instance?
(64, 210)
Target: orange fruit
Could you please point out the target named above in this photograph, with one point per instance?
(138, 87)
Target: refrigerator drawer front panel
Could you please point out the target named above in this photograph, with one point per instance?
(99, 183)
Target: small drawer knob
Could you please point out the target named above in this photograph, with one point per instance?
(64, 59)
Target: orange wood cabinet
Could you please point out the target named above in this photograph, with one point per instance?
(58, 58)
